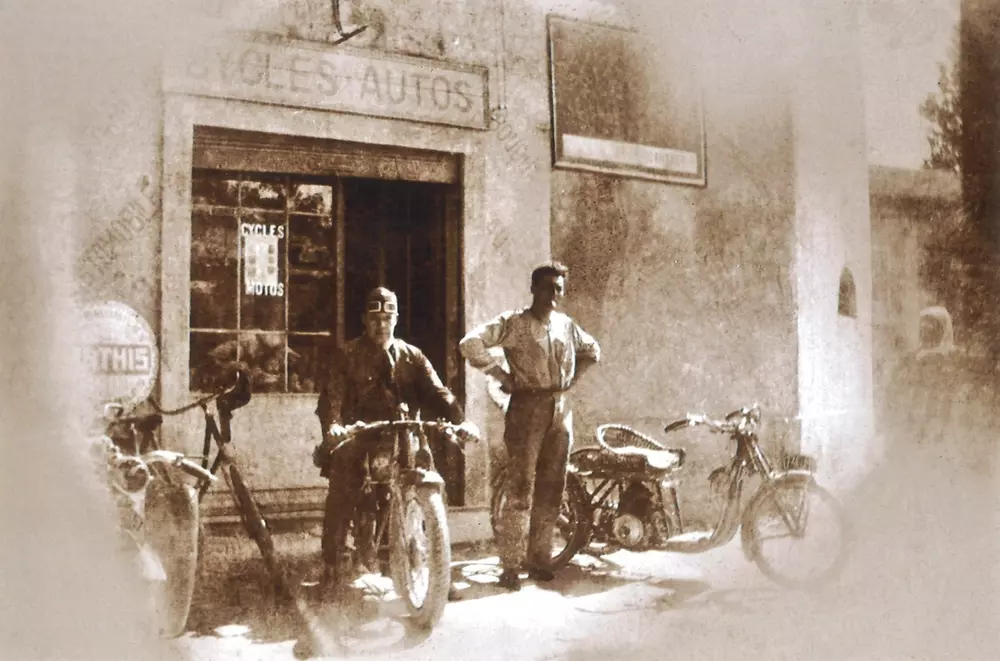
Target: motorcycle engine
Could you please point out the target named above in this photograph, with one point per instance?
(633, 525)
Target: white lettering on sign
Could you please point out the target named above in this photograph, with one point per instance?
(260, 259)
(119, 359)
(118, 353)
(335, 78)
(260, 229)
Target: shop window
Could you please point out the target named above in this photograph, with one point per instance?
(847, 305)
(263, 278)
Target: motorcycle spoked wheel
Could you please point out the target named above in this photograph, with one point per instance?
(807, 506)
(420, 553)
(573, 524)
(171, 532)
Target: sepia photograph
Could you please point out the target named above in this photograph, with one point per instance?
(490, 330)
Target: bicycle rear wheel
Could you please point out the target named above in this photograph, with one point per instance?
(796, 534)
(172, 532)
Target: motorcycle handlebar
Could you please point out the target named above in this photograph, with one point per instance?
(733, 422)
(451, 431)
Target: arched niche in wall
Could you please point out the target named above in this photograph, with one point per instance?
(847, 300)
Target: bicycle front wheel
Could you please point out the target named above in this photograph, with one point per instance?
(421, 554)
(795, 532)
(256, 526)
(171, 523)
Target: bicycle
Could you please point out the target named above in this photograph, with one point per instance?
(144, 456)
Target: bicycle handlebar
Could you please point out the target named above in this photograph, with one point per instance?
(136, 464)
(222, 392)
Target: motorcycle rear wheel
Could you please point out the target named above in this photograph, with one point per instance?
(420, 553)
(172, 532)
(573, 524)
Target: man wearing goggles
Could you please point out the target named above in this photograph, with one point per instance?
(373, 377)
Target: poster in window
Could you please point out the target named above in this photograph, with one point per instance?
(624, 105)
(260, 265)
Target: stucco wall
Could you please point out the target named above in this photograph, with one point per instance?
(689, 290)
(833, 232)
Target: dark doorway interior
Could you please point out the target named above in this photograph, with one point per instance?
(396, 235)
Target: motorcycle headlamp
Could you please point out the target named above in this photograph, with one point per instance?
(381, 466)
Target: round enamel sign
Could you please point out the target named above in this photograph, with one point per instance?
(119, 353)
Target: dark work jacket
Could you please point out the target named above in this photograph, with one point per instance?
(356, 387)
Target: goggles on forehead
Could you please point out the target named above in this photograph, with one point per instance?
(382, 306)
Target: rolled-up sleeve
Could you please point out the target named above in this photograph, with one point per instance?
(586, 347)
(476, 344)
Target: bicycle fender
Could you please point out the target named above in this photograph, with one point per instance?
(784, 478)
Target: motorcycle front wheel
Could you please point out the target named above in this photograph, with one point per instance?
(171, 531)
(420, 553)
(796, 534)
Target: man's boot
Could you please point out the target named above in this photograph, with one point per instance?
(509, 580)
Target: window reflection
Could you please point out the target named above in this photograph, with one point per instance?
(213, 270)
(208, 188)
(312, 198)
(262, 195)
(311, 242)
(310, 302)
(264, 354)
(305, 360)
(206, 370)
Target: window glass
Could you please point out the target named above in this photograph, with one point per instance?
(266, 194)
(264, 354)
(305, 362)
(312, 198)
(262, 269)
(209, 353)
(213, 269)
(209, 188)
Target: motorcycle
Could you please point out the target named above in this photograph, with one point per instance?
(157, 512)
(623, 495)
(400, 524)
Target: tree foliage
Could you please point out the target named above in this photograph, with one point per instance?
(944, 112)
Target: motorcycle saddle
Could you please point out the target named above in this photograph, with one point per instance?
(629, 446)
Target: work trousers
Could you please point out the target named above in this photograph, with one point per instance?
(346, 473)
(538, 434)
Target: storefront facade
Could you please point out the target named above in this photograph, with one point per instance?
(258, 179)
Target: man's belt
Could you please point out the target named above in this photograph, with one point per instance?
(539, 391)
